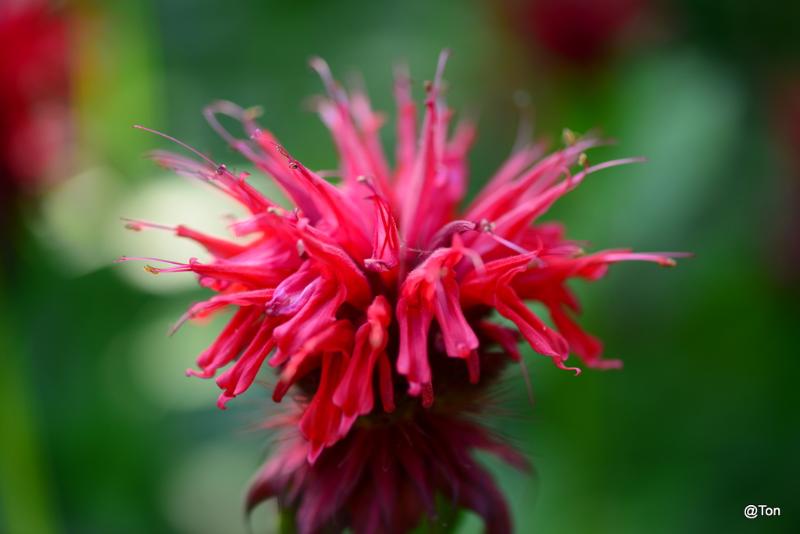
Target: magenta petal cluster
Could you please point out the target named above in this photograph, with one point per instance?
(387, 304)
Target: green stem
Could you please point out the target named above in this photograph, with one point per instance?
(23, 490)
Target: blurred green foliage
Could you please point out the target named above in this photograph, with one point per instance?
(102, 432)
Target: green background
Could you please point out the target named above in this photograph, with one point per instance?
(101, 431)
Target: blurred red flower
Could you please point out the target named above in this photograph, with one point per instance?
(34, 88)
(578, 32)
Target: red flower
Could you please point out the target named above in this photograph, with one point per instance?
(579, 32)
(375, 300)
(34, 87)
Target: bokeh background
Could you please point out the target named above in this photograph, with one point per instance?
(100, 431)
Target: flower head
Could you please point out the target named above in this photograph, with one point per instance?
(34, 90)
(581, 33)
(376, 301)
